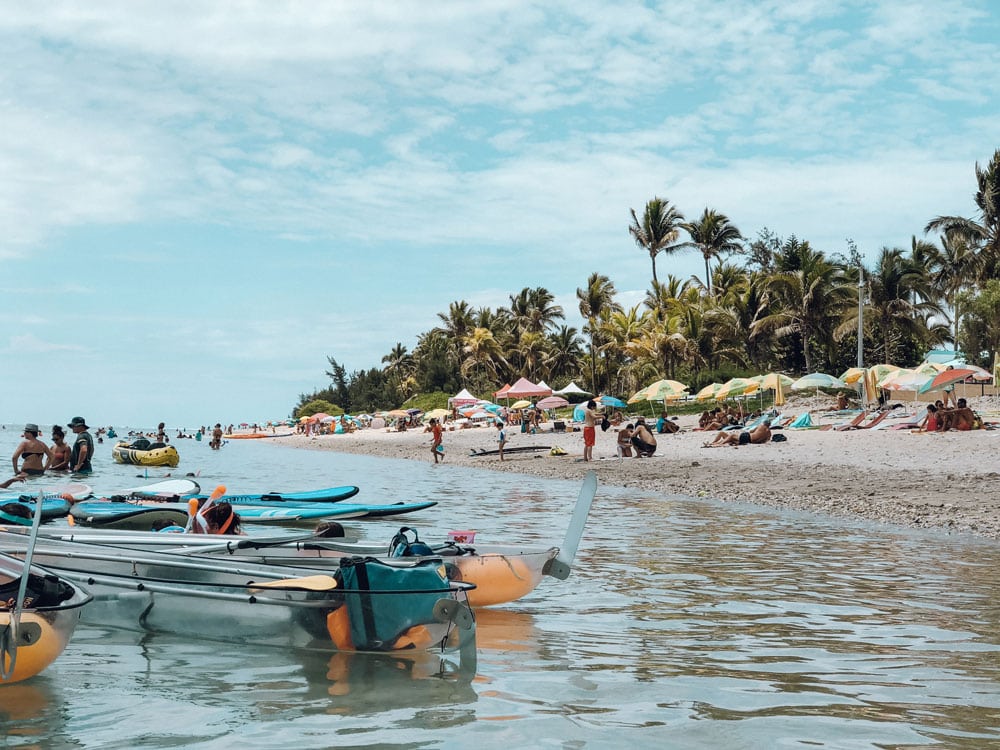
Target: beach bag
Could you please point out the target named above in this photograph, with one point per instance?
(557, 451)
(779, 438)
(402, 546)
(605, 423)
(391, 599)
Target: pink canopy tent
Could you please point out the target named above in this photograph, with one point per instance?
(502, 392)
(524, 388)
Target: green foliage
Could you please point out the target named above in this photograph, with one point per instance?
(317, 406)
(428, 401)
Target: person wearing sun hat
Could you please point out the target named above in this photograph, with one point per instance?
(31, 451)
(83, 448)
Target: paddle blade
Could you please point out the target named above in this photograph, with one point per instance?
(560, 566)
(307, 583)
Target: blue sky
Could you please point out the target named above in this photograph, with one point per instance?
(201, 201)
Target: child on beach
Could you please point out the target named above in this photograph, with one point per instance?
(501, 437)
(436, 432)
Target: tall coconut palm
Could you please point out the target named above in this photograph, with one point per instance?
(898, 302)
(482, 353)
(951, 267)
(658, 230)
(456, 324)
(564, 353)
(983, 234)
(534, 311)
(713, 234)
(399, 365)
(806, 302)
(597, 301)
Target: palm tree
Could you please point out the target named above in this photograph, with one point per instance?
(597, 301)
(806, 302)
(399, 365)
(899, 294)
(534, 311)
(564, 352)
(952, 267)
(457, 323)
(482, 351)
(658, 230)
(984, 234)
(713, 234)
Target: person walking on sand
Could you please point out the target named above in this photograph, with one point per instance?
(83, 449)
(437, 450)
(501, 437)
(590, 415)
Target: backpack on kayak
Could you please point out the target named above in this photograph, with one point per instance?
(402, 546)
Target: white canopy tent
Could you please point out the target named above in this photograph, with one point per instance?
(462, 398)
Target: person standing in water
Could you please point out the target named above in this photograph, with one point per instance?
(60, 450)
(31, 451)
(83, 448)
(436, 434)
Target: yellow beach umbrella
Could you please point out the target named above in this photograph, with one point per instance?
(708, 392)
(736, 387)
(883, 369)
(522, 404)
(853, 375)
(770, 381)
(665, 390)
(779, 389)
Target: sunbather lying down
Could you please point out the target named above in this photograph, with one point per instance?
(759, 434)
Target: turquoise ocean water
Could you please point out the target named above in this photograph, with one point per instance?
(687, 624)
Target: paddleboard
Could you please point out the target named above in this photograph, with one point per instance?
(328, 495)
(102, 512)
(22, 512)
(76, 490)
(394, 509)
(179, 487)
(506, 451)
(256, 435)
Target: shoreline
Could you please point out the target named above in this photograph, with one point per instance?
(946, 481)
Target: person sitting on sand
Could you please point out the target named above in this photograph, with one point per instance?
(842, 402)
(643, 440)
(756, 436)
(625, 441)
(931, 422)
(960, 418)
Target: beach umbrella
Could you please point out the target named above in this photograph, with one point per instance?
(779, 390)
(770, 381)
(853, 375)
(522, 404)
(398, 413)
(708, 392)
(614, 403)
(736, 387)
(552, 402)
(930, 368)
(664, 390)
(943, 379)
(883, 369)
(817, 380)
(493, 408)
(905, 380)
(437, 414)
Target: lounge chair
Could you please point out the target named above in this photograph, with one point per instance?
(869, 424)
(910, 423)
(847, 425)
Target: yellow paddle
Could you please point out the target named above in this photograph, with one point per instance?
(308, 583)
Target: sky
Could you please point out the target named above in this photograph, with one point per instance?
(202, 201)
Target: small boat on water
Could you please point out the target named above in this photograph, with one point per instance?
(364, 604)
(34, 635)
(144, 453)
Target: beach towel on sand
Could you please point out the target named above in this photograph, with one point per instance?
(801, 421)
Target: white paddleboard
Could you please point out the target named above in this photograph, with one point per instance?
(166, 487)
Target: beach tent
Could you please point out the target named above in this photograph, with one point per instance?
(543, 384)
(461, 398)
(524, 388)
(571, 390)
(502, 393)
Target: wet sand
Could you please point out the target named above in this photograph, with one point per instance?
(946, 480)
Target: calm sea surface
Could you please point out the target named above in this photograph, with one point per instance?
(687, 623)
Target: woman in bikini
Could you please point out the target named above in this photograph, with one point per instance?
(60, 450)
(31, 451)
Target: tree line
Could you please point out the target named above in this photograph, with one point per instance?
(766, 304)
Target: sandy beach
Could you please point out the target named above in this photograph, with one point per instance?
(944, 480)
